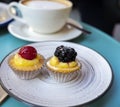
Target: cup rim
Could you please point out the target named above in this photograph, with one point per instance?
(67, 2)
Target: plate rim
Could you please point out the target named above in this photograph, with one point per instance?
(27, 39)
(95, 99)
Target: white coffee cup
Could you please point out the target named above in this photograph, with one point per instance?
(43, 16)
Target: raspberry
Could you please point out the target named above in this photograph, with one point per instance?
(28, 52)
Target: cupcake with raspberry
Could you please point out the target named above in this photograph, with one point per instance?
(63, 65)
(26, 63)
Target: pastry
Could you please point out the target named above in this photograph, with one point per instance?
(26, 63)
(63, 65)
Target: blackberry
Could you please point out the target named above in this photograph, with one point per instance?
(65, 54)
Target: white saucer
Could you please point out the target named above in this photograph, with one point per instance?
(24, 32)
(93, 80)
(5, 18)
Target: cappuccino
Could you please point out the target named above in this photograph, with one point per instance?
(43, 16)
(44, 4)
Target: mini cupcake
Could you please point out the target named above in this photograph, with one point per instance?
(27, 63)
(63, 65)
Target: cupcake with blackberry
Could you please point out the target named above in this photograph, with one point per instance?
(26, 63)
(63, 65)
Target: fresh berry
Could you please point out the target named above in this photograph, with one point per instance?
(65, 54)
(28, 52)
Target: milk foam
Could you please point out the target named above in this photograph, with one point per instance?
(45, 4)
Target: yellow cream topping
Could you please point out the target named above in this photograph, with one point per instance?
(57, 66)
(19, 61)
(54, 61)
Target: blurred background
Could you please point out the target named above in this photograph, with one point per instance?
(102, 14)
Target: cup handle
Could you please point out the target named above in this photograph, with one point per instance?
(14, 11)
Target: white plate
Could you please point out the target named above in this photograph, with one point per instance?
(24, 32)
(93, 80)
(5, 18)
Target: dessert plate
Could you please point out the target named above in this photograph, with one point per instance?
(93, 80)
(24, 32)
(5, 18)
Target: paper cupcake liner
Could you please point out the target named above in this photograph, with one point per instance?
(26, 74)
(63, 77)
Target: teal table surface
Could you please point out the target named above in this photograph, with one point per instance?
(99, 41)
